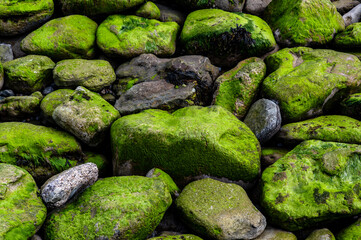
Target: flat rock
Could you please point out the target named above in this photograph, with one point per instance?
(227, 5)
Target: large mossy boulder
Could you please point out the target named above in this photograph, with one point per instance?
(19, 16)
(315, 182)
(42, 151)
(113, 208)
(22, 212)
(189, 142)
(303, 80)
(224, 37)
(63, 38)
(227, 5)
(303, 22)
(129, 36)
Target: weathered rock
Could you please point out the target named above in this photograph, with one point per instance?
(62, 38)
(86, 115)
(303, 22)
(351, 232)
(270, 155)
(236, 89)
(189, 142)
(350, 38)
(159, 174)
(224, 37)
(113, 208)
(220, 210)
(177, 237)
(6, 52)
(91, 74)
(276, 234)
(344, 6)
(297, 80)
(21, 211)
(227, 5)
(52, 101)
(129, 36)
(315, 182)
(321, 234)
(42, 151)
(58, 189)
(351, 106)
(168, 14)
(256, 7)
(148, 10)
(353, 16)
(28, 74)
(19, 16)
(20, 107)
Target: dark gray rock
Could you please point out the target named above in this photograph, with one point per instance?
(6, 52)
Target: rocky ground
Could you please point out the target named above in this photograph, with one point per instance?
(192, 119)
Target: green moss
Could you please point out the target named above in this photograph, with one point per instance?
(352, 232)
(103, 164)
(350, 38)
(159, 174)
(54, 99)
(321, 234)
(148, 10)
(351, 106)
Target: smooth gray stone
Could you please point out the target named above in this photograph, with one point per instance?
(6, 52)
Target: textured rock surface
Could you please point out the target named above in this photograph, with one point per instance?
(256, 7)
(52, 101)
(159, 174)
(6, 52)
(227, 5)
(353, 16)
(276, 234)
(113, 208)
(148, 10)
(350, 38)
(351, 232)
(220, 210)
(321, 234)
(343, 6)
(189, 142)
(315, 182)
(21, 211)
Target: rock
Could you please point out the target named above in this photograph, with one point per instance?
(159, 174)
(28, 74)
(353, 16)
(297, 80)
(291, 21)
(315, 182)
(62, 38)
(52, 101)
(321, 234)
(344, 6)
(20, 107)
(58, 189)
(227, 5)
(220, 210)
(224, 37)
(17, 17)
(350, 38)
(92, 74)
(270, 155)
(177, 237)
(86, 115)
(1, 75)
(97, 7)
(129, 36)
(168, 14)
(7, 93)
(6, 53)
(148, 10)
(21, 211)
(335, 128)
(256, 7)
(102, 162)
(236, 89)
(189, 142)
(351, 106)
(36, 237)
(42, 151)
(351, 232)
(276, 234)
(113, 208)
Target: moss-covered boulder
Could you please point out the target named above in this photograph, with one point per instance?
(86, 115)
(189, 142)
(350, 38)
(315, 182)
(159, 174)
(113, 208)
(177, 237)
(321, 234)
(224, 37)
(63, 38)
(351, 106)
(22, 212)
(19, 107)
(42, 151)
(129, 36)
(303, 22)
(276, 234)
(28, 74)
(227, 5)
(220, 211)
(334, 128)
(236, 89)
(19, 16)
(297, 80)
(92, 74)
(351, 232)
(148, 10)
(52, 101)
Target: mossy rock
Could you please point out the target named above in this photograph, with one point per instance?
(86, 115)
(314, 183)
(351, 106)
(224, 37)
(22, 211)
(237, 88)
(19, 107)
(276, 234)
(42, 151)
(159, 174)
(63, 38)
(303, 22)
(103, 164)
(321, 234)
(52, 101)
(177, 237)
(148, 10)
(227, 5)
(189, 142)
(269, 155)
(297, 80)
(1, 75)
(334, 128)
(97, 7)
(350, 38)
(113, 208)
(19, 16)
(91, 74)
(352, 232)
(28, 74)
(129, 36)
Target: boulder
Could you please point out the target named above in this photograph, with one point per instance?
(227, 5)
(159, 174)
(148, 10)
(344, 6)
(353, 16)
(256, 7)
(52, 101)
(350, 38)
(321, 234)
(276, 234)
(350, 232)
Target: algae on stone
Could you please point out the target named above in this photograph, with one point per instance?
(62, 38)
(148, 10)
(351, 106)
(321, 234)
(52, 101)
(351, 232)
(159, 174)
(350, 38)
(113, 208)
(191, 141)
(315, 182)
(102, 162)
(276, 234)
